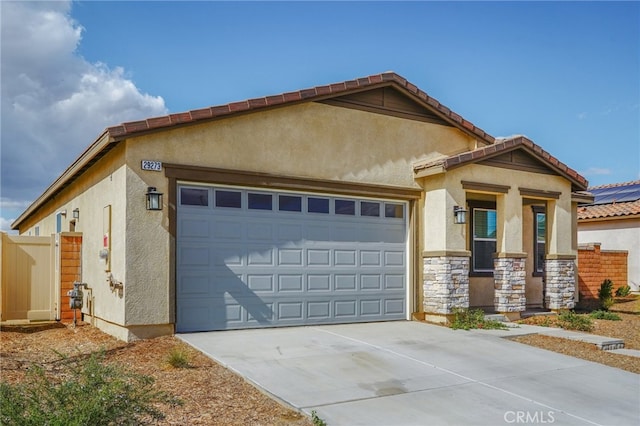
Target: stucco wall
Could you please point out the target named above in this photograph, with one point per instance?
(616, 235)
(101, 186)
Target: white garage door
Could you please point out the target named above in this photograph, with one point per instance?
(252, 258)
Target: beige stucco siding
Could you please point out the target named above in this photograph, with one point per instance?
(102, 185)
(310, 140)
(147, 257)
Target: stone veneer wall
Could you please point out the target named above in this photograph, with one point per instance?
(560, 283)
(509, 277)
(446, 284)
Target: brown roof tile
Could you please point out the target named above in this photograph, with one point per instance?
(155, 123)
(601, 211)
(506, 145)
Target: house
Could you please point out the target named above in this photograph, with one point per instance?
(610, 227)
(366, 200)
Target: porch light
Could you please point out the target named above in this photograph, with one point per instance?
(76, 214)
(459, 215)
(154, 199)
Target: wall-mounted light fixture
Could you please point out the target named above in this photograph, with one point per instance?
(154, 199)
(459, 215)
(76, 214)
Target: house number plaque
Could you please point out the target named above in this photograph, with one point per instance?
(155, 166)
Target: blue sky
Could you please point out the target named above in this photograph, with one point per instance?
(566, 74)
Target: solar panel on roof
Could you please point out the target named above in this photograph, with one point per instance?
(618, 194)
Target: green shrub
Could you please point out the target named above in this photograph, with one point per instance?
(569, 320)
(605, 315)
(623, 291)
(178, 358)
(605, 294)
(91, 393)
(467, 319)
(317, 421)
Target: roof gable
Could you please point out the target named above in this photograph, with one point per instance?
(518, 152)
(350, 91)
(388, 101)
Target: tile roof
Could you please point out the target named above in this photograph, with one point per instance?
(501, 146)
(124, 130)
(613, 209)
(602, 211)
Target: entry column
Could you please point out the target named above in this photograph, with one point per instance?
(509, 272)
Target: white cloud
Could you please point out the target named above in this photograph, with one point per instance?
(54, 102)
(596, 171)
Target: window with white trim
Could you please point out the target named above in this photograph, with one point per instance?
(483, 247)
(540, 239)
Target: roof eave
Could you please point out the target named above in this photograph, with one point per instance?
(91, 152)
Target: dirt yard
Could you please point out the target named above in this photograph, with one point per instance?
(627, 329)
(215, 395)
(211, 393)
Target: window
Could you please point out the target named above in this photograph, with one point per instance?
(393, 210)
(290, 203)
(58, 223)
(347, 207)
(484, 239)
(229, 199)
(194, 197)
(540, 239)
(37, 231)
(260, 201)
(317, 205)
(368, 208)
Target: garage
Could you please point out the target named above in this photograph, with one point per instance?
(249, 258)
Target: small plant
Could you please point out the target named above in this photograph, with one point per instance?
(605, 294)
(604, 315)
(467, 319)
(623, 291)
(178, 358)
(92, 393)
(317, 421)
(569, 320)
(545, 321)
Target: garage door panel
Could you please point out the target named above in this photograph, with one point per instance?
(246, 267)
(261, 257)
(370, 307)
(290, 257)
(319, 257)
(227, 230)
(260, 231)
(370, 282)
(345, 282)
(345, 257)
(194, 256)
(394, 258)
(317, 283)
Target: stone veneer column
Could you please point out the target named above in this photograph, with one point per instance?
(446, 284)
(560, 283)
(509, 283)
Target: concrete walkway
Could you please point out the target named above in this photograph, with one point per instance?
(411, 373)
(609, 344)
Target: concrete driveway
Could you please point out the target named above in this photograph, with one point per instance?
(411, 373)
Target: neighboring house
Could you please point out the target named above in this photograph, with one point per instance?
(365, 200)
(613, 221)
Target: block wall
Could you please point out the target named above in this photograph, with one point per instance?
(70, 271)
(595, 265)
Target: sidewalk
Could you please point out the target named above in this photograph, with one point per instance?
(609, 344)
